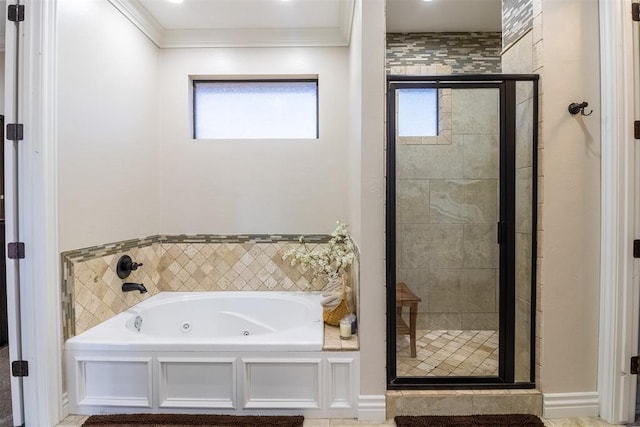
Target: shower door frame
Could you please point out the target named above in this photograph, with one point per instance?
(506, 84)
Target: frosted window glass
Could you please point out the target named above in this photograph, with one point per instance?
(256, 110)
(417, 112)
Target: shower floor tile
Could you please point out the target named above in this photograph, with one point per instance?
(449, 353)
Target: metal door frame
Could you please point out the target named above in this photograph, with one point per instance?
(506, 84)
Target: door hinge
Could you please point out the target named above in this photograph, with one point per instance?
(15, 250)
(15, 131)
(635, 11)
(15, 13)
(20, 368)
(636, 129)
(636, 248)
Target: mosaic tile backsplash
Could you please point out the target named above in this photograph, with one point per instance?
(477, 53)
(92, 290)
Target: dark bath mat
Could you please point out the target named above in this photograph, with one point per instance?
(523, 420)
(161, 420)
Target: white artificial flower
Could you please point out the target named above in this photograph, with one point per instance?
(330, 260)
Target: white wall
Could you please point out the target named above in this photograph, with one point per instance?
(570, 167)
(565, 54)
(371, 207)
(128, 165)
(107, 122)
(253, 186)
(355, 123)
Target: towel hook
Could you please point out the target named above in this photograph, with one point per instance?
(575, 108)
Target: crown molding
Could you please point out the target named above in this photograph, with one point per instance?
(139, 16)
(347, 11)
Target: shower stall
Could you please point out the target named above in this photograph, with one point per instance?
(461, 222)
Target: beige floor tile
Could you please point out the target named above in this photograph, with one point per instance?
(73, 421)
(316, 422)
(576, 422)
(352, 422)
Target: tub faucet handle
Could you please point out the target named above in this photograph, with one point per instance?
(125, 266)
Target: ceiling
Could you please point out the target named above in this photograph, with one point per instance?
(217, 23)
(221, 23)
(415, 16)
(235, 14)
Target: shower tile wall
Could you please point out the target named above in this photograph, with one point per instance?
(91, 288)
(447, 209)
(443, 221)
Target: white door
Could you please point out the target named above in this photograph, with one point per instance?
(636, 210)
(620, 188)
(12, 47)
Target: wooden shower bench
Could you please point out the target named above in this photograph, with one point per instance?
(406, 298)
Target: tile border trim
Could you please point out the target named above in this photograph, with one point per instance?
(91, 252)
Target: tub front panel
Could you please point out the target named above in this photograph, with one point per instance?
(114, 381)
(298, 383)
(207, 382)
(318, 384)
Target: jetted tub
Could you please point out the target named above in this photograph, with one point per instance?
(221, 352)
(215, 321)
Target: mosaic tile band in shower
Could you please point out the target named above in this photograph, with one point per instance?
(463, 52)
(517, 20)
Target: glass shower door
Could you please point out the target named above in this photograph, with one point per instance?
(447, 164)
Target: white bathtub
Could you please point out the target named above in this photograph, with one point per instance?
(213, 352)
(213, 321)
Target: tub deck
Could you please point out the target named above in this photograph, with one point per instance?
(332, 341)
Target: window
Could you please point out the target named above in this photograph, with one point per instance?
(255, 109)
(417, 112)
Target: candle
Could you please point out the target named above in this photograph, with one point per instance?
(345, 329)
